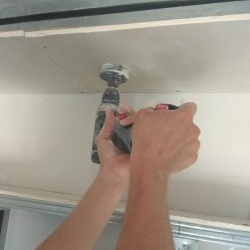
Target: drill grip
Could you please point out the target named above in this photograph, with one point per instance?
(121, 135)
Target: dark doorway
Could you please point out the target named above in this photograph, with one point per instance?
(4, 219)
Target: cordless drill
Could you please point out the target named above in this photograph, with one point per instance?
(115, 74)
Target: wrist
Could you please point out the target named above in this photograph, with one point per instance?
(147, 184)
(147, 175)
(109, 176)
(148, 168)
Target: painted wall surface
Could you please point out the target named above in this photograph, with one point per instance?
(45, 144)
(27, 230)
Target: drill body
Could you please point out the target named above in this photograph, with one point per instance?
(120, 136)
(110, 100)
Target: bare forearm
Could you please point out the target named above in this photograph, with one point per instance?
(82, 228)
(146, 223)
(164, 142)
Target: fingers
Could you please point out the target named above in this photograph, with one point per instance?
(125, 108)
(128, 121)
(188, 108)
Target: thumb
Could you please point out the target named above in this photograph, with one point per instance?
(107, 126)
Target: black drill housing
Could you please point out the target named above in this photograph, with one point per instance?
(121, 135)
(110, 100)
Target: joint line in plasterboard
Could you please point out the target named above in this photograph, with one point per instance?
(141, 25)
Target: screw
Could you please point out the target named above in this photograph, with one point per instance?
(186, 247)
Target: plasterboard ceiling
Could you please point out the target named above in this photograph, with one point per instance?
(205, 57)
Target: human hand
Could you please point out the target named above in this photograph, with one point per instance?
(165, 141)
(111, 158)
(126, 114)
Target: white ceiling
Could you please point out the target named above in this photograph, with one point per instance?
(205, 57)
(11, 3)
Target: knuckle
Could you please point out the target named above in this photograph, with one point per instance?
(196, 131)
(194, 158)
(143, 112)
(197, 147)
(193, 150)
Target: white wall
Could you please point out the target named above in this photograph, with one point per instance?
(45, 143)
(27, 230)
